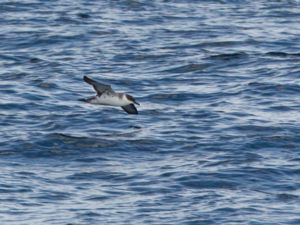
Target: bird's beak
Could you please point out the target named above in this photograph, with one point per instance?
(136, 103)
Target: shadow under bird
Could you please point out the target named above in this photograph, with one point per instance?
(107, 96)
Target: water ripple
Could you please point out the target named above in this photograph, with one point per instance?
(216, 140)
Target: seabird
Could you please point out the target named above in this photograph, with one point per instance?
(107, 96)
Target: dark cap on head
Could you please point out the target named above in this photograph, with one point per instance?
(130, 98)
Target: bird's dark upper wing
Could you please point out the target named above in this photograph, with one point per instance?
(99, 88)
(130, 109)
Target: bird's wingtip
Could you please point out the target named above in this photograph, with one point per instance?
(130, 109)
(87, 79)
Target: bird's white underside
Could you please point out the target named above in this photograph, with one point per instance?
(112, 100)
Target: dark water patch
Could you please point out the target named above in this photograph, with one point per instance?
(18, 190)
(65, 138)
(25, 173)
(34, 60)
(283, 54)
(33, 97)
(100, 198)
(287, 197)
(17, 106)
(229, 56)
(205, 184)
(68, 19)
(46, 40)
(273, 89)
(99, 175)
(206, 45)
(48, 196)
(266, 173)
(128, 6)
(187, 68)
(257, 128)
(294, 221)
(167, 98)
(281, 108)
(11, 59)
(91, 160)
(149, 191)
(47, 85)
(141, 57)
(15, 76)
(83, 15)
(196, 221)
(60, 146)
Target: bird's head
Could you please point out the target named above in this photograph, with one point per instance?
(131, 99)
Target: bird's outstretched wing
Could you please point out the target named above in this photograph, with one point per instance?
(130, 109)
(99, 88)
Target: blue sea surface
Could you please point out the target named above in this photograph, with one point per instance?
(217, 137)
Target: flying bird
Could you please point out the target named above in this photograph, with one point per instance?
(107, 96)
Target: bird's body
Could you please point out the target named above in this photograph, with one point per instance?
(106, 96)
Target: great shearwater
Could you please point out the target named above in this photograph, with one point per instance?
(107, 96)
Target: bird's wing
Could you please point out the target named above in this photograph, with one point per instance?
(99, 88)
(130, 109)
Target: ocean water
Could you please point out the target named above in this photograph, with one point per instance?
(217, 138)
